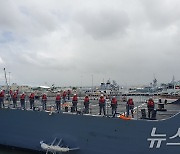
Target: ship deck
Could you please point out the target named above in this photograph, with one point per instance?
(170, 109)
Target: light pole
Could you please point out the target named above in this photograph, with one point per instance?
(81, 81)
(92, 82)
(9, 79)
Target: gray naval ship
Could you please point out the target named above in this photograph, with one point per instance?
(67, 132)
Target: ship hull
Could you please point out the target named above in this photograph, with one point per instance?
(89, 134)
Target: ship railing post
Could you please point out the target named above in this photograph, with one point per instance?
(90, 108)
(60, 106)
(137, 111)
(107, 109)
(25, 102)
(81, 106)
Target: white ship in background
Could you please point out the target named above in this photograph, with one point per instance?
(107, 88)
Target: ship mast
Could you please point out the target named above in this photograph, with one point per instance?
(6, 78)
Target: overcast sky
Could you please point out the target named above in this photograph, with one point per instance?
(67, 42)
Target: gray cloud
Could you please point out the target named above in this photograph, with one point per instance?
(66, 42)
(162, 14)
(103, 23)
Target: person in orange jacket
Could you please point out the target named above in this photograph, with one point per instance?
(14, 97)
(150, 106)
(44, 101)
(22, 100)
(86, 104)
(74, 102)
(31, 100)
(58, 102)
(64, 96)
(130, 106)
(102, 102)
(114, 105)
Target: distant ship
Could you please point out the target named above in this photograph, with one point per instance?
(88, 134)
(169, 89)
(107, 88)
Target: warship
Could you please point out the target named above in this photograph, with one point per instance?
(69, 132)
(54, 132)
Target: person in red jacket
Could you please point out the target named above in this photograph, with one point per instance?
(58, 102)
(150, 106)
(130, 106)
(14, 97)
(31, 100)
(86, 104)
(74, 102)
(114, 105)
(102, 102)
(64, 96)
(44, 101)
(1, 98)
(22, 100)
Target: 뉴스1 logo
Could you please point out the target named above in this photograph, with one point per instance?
(159, 138)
